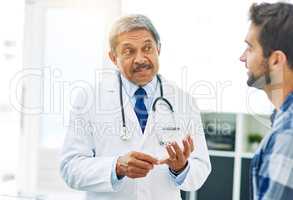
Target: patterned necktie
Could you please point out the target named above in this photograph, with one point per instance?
(140, 109)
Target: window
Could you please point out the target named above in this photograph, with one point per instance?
(201, 45)
(11, 35)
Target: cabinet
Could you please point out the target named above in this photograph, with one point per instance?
(230, 154)
(220, 182)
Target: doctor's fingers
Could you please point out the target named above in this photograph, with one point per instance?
(179, 153)
(190, 140)
(187, 148)
(136, 170)
(171, 152)
(135, 175)
(167, 161)
(145, 157)
(140, 164)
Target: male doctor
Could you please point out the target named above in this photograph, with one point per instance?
(109, 163)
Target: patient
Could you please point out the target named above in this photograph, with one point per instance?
(269, 61)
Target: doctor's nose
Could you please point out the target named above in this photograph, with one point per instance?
(140, 58)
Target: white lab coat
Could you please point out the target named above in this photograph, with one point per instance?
(97, 131)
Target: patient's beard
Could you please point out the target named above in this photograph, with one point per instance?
(262, 80)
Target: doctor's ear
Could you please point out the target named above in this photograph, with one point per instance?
(277, 60)
(159, 50)
(112, 56)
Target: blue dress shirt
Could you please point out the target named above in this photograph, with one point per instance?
(272, 165)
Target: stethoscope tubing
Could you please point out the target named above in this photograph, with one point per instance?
(153, 106)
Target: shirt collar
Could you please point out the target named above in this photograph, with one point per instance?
(284, 107)
(287, 102)
(273, 116)
(130, 87)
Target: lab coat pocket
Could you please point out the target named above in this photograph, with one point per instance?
(107, 137)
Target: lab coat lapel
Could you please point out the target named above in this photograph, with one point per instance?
(149, 136)
(130, 117)
(112, 89)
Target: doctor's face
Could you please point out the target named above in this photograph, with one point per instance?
(136, 56)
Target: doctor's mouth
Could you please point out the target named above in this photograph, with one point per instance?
(141, 67)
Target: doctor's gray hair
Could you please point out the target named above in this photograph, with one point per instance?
(130, 23)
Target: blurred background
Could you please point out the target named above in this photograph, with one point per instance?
(49, 49)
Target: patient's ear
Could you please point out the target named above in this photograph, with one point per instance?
(277, 60)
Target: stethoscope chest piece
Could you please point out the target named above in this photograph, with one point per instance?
(125, 134)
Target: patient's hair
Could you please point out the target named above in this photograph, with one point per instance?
(276, 28)
(130, 23)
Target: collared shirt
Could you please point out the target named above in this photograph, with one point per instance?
(272, 165)
(150, 89)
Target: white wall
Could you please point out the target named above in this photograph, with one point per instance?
(201, 45)
(64, 43)
(11, 35)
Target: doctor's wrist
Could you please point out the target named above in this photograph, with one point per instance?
(120, 169)
(177, 172)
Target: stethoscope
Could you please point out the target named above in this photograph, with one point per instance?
(126, 135)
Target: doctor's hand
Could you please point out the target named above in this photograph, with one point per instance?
(177, 160)
(135, 165)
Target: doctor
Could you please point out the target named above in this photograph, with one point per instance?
(112, 149)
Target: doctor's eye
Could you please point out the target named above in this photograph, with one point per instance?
(128, 52)
(148, 48)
